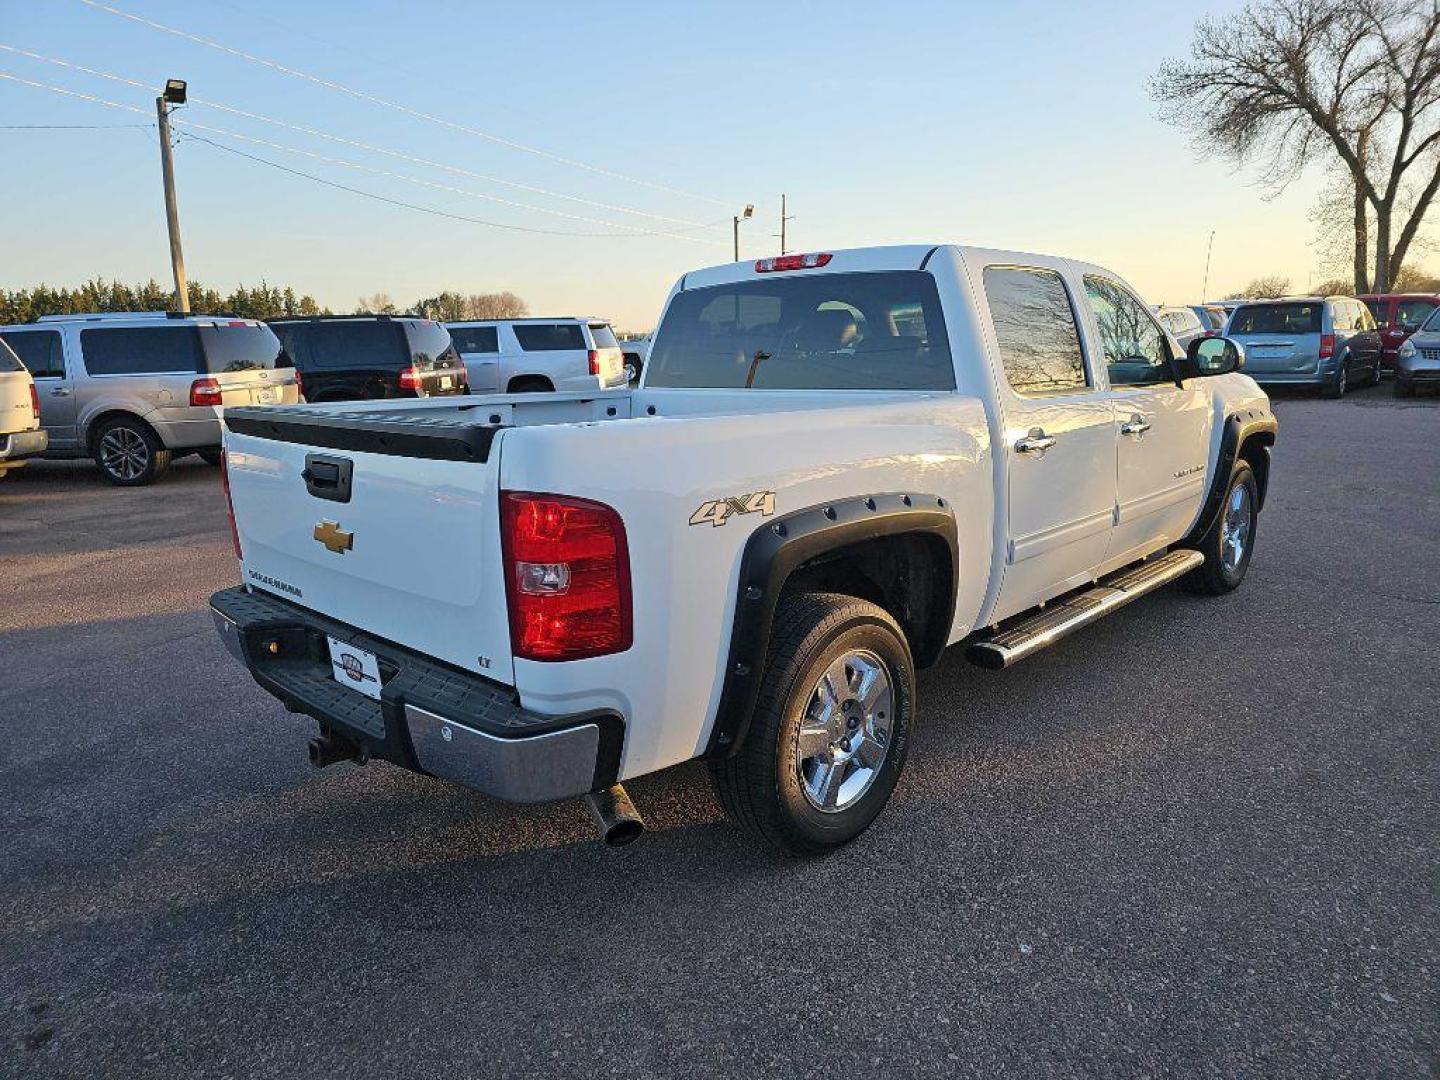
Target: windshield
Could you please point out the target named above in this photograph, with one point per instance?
(865, 331)
(241, 348)
(1433, 322)
(1277, 319)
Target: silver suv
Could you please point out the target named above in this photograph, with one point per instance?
(134, 389)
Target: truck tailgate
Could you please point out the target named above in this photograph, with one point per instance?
(412, 555)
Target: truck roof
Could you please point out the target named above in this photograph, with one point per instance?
(871, 259)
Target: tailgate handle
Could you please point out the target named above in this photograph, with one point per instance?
(327, 477)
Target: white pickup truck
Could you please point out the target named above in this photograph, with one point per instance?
(835, 466)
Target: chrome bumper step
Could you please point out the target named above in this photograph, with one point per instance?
(1064, 617)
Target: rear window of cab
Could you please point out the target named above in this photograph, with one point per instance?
(833, 331)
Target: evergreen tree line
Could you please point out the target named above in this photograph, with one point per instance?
(262, 301)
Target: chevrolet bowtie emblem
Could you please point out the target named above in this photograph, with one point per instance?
(333, 537)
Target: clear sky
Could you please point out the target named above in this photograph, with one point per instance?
(1015, 124)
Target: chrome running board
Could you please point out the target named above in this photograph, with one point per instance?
(1064, 617)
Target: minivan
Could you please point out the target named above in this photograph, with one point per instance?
(517, 356)
(134, 390)
(354, 357)
(1323, 341)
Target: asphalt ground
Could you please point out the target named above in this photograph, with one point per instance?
(1197, 839)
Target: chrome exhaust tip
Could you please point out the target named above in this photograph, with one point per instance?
(615, 816)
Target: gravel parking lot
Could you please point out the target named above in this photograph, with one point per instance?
(1199, 838)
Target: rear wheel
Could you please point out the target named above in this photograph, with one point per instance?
(129, 453)
(210, 455)
(1230, 540)
(1404, 387)
(1375, 373)
(831, 728)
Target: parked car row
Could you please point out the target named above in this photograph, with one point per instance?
(134, 390)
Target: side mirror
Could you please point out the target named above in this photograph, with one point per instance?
(1211, 356)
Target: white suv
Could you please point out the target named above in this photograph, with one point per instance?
(516, 356)
(21, 436)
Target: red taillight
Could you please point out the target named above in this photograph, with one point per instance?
(299, 385)
(594, 357)
(410, 378)
(567, 576)
(229, 506)
(35, 402)
(205, 392)
(793, 262)
(1327, 346)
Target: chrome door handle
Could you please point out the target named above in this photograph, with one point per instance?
(1035, 442)
(60, 391)
(1137, 425)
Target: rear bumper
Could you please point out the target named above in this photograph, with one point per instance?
(1292, 378)
(187, 433)
(431, 718)
(19, 445)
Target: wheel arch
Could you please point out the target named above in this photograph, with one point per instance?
(529, 377)
(898, 550)
(95, 423)
(1248, 437)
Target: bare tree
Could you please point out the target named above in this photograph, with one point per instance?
(1285, 83)
(376, 304)
(501, 305)
(1263, 288)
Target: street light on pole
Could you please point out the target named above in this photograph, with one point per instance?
(748, 213)
(1205, 289)
(173, 94)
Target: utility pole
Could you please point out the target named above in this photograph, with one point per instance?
(1205, 289)
(746, 214)
(784, 217)
(174, 95)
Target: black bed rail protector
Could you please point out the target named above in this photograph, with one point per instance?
(394, 433)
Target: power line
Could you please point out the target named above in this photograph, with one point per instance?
(409, 205)
(189, 125)
(190, 128)
(69, 127)
(302, 129)
(375, 99)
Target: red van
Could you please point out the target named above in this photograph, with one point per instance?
(1398, 315)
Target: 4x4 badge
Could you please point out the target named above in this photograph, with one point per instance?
(334, 538)
(717, 511)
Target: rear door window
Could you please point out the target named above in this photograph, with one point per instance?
(475, 339)
(358, 345)
(39, 350)
(429, 341)
(1276, 319)
(549, 337)
(863, 331)
(603, 336)
(1035, 327)
(241, 348)
(141, 350)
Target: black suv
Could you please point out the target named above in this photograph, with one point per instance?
(344, 358)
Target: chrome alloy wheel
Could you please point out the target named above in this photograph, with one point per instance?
(845, 733)
(1235, 528)
(123, 453)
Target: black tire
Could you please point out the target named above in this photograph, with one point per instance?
(530, 384)
(1404, 388)
(210, 455)
(761, 786)
(1375, 373)
(1214, 576)
(1336, 387)
(129, 454)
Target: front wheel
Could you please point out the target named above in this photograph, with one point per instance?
(1404, 388)
(831, 728)
(1230, 541)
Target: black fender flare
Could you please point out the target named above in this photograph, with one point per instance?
(1239, 427)
(772, 554)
